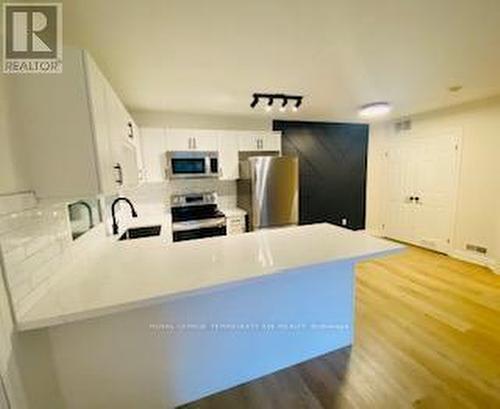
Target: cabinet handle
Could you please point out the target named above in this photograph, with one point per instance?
(130, 130)
(194, 143)
(118, 168)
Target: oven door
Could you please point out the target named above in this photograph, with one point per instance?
(198, 229)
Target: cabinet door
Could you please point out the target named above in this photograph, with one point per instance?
(228, 156)
(138, 146)
(205, 141)
(191, 140)
(123, 149)
(97, 86)
(128, 163)
(154, 148)
(235, 225)
(179, 140)
(249, 141)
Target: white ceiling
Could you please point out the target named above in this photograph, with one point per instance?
(209, 56)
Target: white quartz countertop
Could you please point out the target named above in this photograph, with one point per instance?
(119, 276)
(233, 212)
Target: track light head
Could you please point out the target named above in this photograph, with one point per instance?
(255, 101)
(295, 108)
(283, 105)
(269, 105)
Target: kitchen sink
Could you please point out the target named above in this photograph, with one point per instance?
(140, 232)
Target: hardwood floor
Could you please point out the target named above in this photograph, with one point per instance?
(427, 336)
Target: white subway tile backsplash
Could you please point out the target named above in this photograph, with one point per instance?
(16, 203)
(32, 242)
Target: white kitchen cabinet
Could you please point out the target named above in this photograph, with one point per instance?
(259, 141)
(136, 137)
(98, 98)
(228, 156)
(72, 127)
(157, 141)
(154, 147)
(235, 224)
(191, 140)
(124, 148)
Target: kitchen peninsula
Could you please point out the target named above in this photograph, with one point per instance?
(181, 320)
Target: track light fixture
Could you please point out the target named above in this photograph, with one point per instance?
(272, 97)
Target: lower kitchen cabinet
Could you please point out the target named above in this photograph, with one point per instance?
(235, 224)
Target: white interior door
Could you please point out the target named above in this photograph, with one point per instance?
(435, 184)
(422, 174)
(399, 209)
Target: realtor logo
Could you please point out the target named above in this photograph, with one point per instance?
(32, 38)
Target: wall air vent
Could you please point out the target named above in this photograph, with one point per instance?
(476, 249)
(402, 125)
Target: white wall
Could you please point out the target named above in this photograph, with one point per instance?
(25, 361)
(200, 121)
(12, 177)
(478, 207)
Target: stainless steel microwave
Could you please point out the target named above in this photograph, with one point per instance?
(191, 165)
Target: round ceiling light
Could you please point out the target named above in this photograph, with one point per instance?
(375, 110)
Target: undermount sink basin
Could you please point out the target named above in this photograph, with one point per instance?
(140, 232)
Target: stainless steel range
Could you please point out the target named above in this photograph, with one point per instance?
(195, 216)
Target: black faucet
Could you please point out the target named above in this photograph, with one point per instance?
(119, 199)
(89, 210)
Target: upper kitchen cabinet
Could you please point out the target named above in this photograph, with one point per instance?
(124, 148)
(228, 155)
(259, 141)
(74, 131)
(191, 140)
(154, 148)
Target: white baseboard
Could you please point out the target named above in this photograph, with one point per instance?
(476, 259)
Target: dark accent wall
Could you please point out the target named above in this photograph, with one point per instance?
(332, 159)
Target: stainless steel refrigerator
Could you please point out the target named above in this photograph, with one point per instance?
(268, 189)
